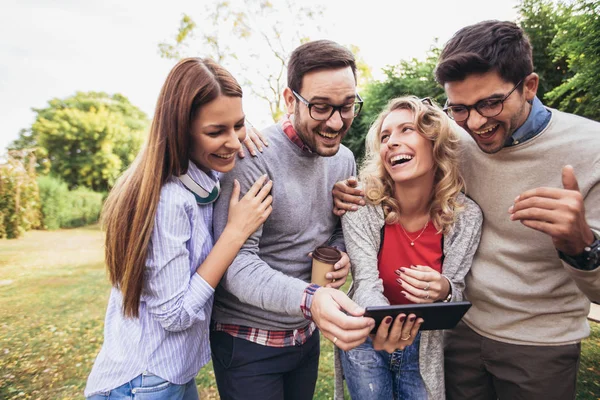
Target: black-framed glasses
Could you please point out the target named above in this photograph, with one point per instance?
(486, 108)
(324, 111)
(427, 101)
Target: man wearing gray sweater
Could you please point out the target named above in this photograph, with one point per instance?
(264, 340)
(538, 262)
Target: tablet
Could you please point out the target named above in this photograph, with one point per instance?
(435, 315)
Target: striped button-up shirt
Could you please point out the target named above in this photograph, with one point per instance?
(170, 337)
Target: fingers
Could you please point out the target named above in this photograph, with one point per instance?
(569, 181)
(415, 328)
(241, 153)
(381, 336)
(347, 304)
(418, 272)
(339, 274)
(350, 331)
(534, 202)
(547, 192)
(259, 139)
(338, 277)
(347, 340)
(417, 295)
(265, 190)
(253, 142)
(256, 186)
(347, 196)
(235, 194)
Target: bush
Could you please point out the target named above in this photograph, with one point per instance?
(83, 208)
(19, 199)
(62, 208)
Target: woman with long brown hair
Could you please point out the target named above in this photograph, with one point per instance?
(160, 254)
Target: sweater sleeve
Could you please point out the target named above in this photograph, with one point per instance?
(461, 246)
(249, 278)
(362, 236)
(589, 281)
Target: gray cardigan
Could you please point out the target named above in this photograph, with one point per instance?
(362, 234)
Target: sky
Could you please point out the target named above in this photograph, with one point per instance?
(54, 48)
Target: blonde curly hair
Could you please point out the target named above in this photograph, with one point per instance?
(433, 124)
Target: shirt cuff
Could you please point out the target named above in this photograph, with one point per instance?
(307, 298)
(200, 293)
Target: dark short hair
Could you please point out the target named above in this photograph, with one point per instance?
(499, 46)
(317, 55)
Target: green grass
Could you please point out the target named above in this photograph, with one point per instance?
(53, 295)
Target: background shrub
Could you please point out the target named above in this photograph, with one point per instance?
(62, 208)
(19, 197)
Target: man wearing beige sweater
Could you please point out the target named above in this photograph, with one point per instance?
(535, 173)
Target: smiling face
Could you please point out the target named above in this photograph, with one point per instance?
(492, 133)
(334, 87)
(406, 154)
(217, 131)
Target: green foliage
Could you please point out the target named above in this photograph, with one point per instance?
(541, 20)
(87, 139)
(566, 52)
(19, 198)
(413, 77)
(62, 208)
(578, 41)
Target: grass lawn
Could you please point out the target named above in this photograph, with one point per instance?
(53, 295)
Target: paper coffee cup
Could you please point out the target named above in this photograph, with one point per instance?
(324, 258)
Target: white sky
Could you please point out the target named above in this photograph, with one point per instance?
(54, 48)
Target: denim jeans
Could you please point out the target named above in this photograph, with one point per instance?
(150, 387)
(377, 375)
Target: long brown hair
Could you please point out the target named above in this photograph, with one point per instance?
(129, 212)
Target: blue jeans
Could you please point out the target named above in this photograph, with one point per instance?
(377, 375)
(150, 387)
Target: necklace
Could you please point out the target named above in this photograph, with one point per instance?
(412, 241)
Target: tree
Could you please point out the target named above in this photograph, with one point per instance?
(578, 41)
(87, 139)
(413, 77)
(238, 34)
(542, 20)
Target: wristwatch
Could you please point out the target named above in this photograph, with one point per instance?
(587, 261)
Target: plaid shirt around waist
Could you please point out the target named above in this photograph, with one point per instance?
(283, 338)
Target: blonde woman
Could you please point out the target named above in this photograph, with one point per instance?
(413, 242)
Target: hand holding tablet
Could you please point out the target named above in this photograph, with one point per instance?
(435, 315)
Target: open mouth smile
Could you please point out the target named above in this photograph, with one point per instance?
(488, 132)
(224, 156)
(400, 159)
(328, 135)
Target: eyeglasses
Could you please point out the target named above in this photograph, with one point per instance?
(486, 108)
(324, 111)
(427, 101)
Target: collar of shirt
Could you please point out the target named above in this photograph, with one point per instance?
(536, 122)
(207, 180)
(290, 132)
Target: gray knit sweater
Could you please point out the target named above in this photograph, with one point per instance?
(362, 234)
(264, 285)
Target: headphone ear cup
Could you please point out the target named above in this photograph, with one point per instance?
(201, 195)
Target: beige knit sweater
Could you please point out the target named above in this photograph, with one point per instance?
(521, 291)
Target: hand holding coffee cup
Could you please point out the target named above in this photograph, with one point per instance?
(324, 258)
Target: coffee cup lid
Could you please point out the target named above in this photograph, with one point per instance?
(327, 254)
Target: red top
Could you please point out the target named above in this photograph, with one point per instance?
(397, 252)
